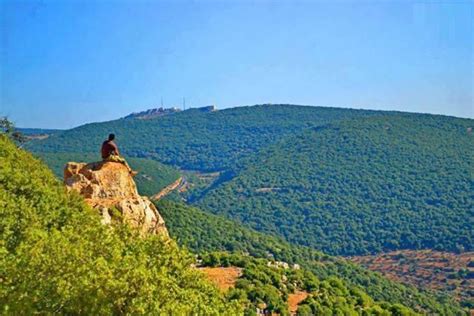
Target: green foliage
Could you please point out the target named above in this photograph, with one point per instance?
(268, 284)
(202, 232)
(8, 128)
(152, 176)
(362, 186)
(56, 257)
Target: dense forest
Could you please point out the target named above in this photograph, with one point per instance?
(202, 233)
(360, 186)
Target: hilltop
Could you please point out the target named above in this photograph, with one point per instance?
(161, 111)
(152, 113)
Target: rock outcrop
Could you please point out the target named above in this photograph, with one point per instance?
(109, 188)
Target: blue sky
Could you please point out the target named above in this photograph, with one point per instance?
(65, 63)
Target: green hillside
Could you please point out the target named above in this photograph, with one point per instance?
(202, 232)
(269, 284)
(196, 140)
(152, 177)
(361, 186)
(56, 257)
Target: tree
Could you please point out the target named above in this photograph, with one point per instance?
(7, 127)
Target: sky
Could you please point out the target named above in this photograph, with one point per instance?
(66, 63)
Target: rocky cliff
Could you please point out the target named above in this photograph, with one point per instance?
(109, 188)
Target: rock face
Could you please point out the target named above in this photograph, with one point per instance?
(109, 188)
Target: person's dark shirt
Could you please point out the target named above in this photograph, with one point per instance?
(109, 148)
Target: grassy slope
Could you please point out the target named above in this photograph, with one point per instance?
(204, 232)
(361, 186)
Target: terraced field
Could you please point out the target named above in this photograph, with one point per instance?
(436, 270)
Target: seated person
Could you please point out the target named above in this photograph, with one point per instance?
(110, 152)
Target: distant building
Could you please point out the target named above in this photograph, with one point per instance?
(152, 113)
(156, 112)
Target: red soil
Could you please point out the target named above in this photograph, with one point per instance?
(294, 299)
(224, 278)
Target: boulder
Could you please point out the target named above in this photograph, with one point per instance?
(109, 188)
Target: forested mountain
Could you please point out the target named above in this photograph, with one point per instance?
(338, 180)
(202, 232)
(197, 140)
(361, 186)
